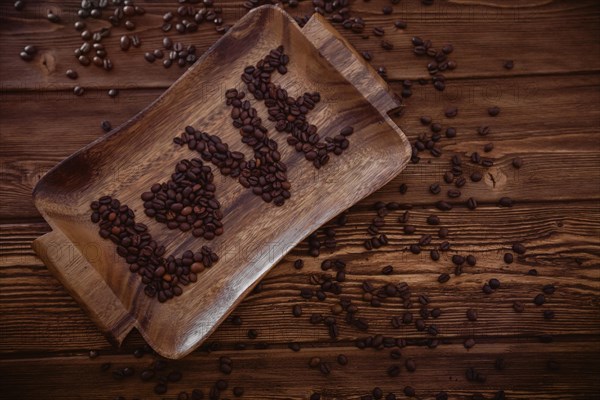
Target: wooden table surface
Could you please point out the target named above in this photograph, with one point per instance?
(550, 117)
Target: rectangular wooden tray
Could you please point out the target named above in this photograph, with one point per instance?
(257, 235)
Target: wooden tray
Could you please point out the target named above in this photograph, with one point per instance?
(257, 235)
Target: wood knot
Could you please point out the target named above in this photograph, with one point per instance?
(495, 178)
(48, 62)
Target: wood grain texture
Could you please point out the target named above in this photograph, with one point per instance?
(525, 376)
(561, 245)
(529, 126)
(127, 162)
(549, 37)
(550, 118)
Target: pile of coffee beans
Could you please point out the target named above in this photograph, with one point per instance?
(187, 18)
(176, 53)
(289, 113)
(187, 201)
(440, 62)
(162, 277)
(264, 175)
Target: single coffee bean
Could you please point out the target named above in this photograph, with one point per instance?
(505, 202)
(78, 91)
(443, 233)
(484, 130)
(387, 270)
(443, 278)
(387, 10)
(106, 126)
(508, 258)
(435, 188)
(113, 92)
(409, 391)
(410, 229)
(476, 176)
(517, 162)
(539, 300)
(71, 74)
(451, 112)
(494, 283)
(548, 314)
(471, 260)
(487, 289)
(124, 42)
(509, 64)
(53, 17)
(19, 5)
(549, 289)
(518, 248)
(450, 133)
(472, 314)
(297, 310)
(469, 343)
(443, 206)
(435, 255)
(400, 24)
(488, 147)
(494, 111)
(471, 203)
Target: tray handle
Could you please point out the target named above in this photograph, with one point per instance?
(84, 283)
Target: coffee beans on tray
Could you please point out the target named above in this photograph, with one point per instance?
(187, 201)
(163, 277)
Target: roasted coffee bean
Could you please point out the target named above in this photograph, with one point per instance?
(494, 283)
(487, 289)
(106, 126)
(488, 147)
(19, 5)
(387, 45)
(548, 314)
(443, 233)
(469, 343)
(78, 91)
(443, 278)
(252, 334)
(494, 111)
(297, 310)
(403, 188)
(53, 17)
(71, 74)
(409, 229)
(471, 203)
(435, 255)
(518, 248)
(238, 391)
(443, 206)
(505, 202)
(433, 220)
(387, 10)
(451, 112)
(409, 391)
(435, 188)
(387, 270)
(539, 300)
(472, 314)
(508, 258)
(113, 92)
(450, 133)
(549, 289)
(476, 176)
(517, 162)
(509, 64)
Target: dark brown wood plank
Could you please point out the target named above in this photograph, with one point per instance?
(499, 30)
(541, 121)
(283, 374)
(561, 239)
